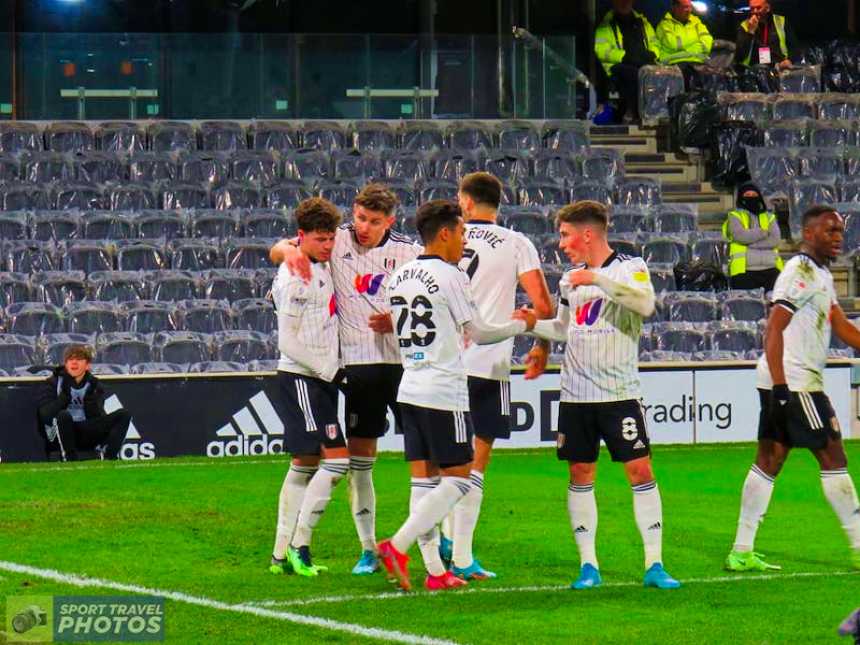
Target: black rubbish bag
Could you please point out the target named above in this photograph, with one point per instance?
(713, 79)
(758, 78)
(700, 275)
(728, 151)
(693, 116)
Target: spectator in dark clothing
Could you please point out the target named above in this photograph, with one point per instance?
(763, 38)
(71, 411)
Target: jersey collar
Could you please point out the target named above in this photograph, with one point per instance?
(429, 257)
(814, 261)
(480, 222)
(609, 260)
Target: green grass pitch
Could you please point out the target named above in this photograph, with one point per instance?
(205, 528)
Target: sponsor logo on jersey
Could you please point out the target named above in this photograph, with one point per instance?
(589, 312)
(369, 283)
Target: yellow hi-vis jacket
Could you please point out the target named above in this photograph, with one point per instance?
(609, 44)
(779, 23)
(683, 43)
(738, 251)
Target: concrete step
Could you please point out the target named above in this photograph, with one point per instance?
(664, 171)
(626, 143)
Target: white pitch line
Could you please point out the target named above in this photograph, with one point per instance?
(388, 595)
(392, 636)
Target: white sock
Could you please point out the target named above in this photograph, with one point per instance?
(317, 497)
(648, 510)
(840, 492)
(430, 510)
(289, 505)
(582, 509)
(447, 526)
(466, 514)
(428, 543)
(363, 500)
(755, 498)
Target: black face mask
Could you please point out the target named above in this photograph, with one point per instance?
(754, 205)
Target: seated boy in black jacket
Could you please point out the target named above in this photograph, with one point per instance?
(71, 411)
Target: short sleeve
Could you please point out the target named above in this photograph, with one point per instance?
(792, 288)
(461, 304)
(527, 256)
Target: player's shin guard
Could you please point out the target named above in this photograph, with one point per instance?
(430, 511)
(582, 508)
(363, 500)
(428, 543)
(840, 492)
(289, 505)
(466, 514)
(755, 498)
(648, 510)
(317, 497)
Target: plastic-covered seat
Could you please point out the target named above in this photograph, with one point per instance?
(554, 165)
(602, 164)
(118, 286)
(772, 168)
(666, 251)
(520, 136)
(681, 337)
(97, 167)
(204, 167)
(156, 224)
(83, 197)
(121, 136)
(174, 285)
(69, 136)
(247, 254)
(29, 256)
(786, 134)
(15, 351)
(805, 193)
(744, 107)
(469, 136)
(307, 164)
(242, 346)
(627, 220)
(108, 369)
(287, 193)
(453, 165)
(424, 136)
(60, 287)
(183, 195)
(820, 163)
(34, 319)
(712, 250)
(747, 305)
(255, 314)
(372, 136)
(255, 166)
(534, 192)
(15, 287)
(87, 256)
(640, 191)
(803, 79)
(45, 167)
(675, 218)
(21, 196)
(57, 226)
(662, 278)
(107, 226)
(849, 191)
(794, 106)
(222, 136)
(355, 165)
(10, 168)
(830, 134)
(14, 226)
(124, 348)
(735, 338)
(152, 166)
(263, 366)
(131, 197)
(216, 367)
(156, 367)
(55, 344)
(150, 316)
(171, 136)
(205, 316)
(263, 279)
(323, 135)
(410, 165)
(625, 244)
(687, 307)
(591, 190)
(195, 255)
(657, 84)
(438, 189)
(508, 166)
(274, 136)
(19, 136)
(566, 136)
(341, 193)
(182, 347)
(237, 194)
(268, 223)
(838, 106)
(405, 192)
(229, 284)
(206, 223)
(141, 255)
(93, 317)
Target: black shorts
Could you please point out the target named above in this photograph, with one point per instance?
(806, 421)
(621, 425)
(370, 391)
(490, 406)
(310, 414)
(441, 437)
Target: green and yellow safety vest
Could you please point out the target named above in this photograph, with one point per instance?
(680, 42)
(738, 251)
(609, 43)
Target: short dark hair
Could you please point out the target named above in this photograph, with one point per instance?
(483, 187)
(378, 198)
(82, 352)
(815, 212)
(583, 212)
(434, 216)
(317, 214)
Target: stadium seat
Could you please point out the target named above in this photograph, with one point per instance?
(625, 244)
(229, 284)
(772, 168)
(242, 346)
(247, 254)
(786, 134)
(646, 339)
(77, 197)
(404, 190)
(96, 167)
(207, 223)
(34, 319)
(734, 337)
(625, 219)
(805, 193)
(237, 194)
(222, 136)
(674, 218)
(830, 134)
(508, 166)
(274, 136)
(16, 351)
(10, 168)
(14, 226)
(324, 135)
(205, 167)
(554, 165)
(308, 165)
(17, 137)
(16, 196)
(342, 193)
(529, 224)
(658, 84)
(680, 337)
(141, 255)
(640, 191)
(438, 189)
(255, 314)
(59, 287)
(121, 136)
(425, 136)
(210, 367)
(194, 255)
(184, 195)
(565, 136)
(159, 368)
(29, 256)
(155, 224)
(171, 136)
(550, 253)
(149, 316)
(745, 107)
(263, 279)
(263, 366)
(820, 163)
(68, 136)
(469, 136)
(182, 347)
(357, 166)
(167, 286)
(131, 197)
(152, 166)
(268, 223)
(409, 165)
(712, 250)
(453, 165)
(534, 192)
(55, 344)
(838, 106)
(205, 316)
(87, 256)
(801, 79)
(793, 106)
(108, 369)
(662, 278)
(118, 286)
(104, 225)
(93, 317)
(591, 190)
(255, 166)
(15, 287)
(690, 307)
(124, 348)
(45, 167)
(51, 225)
(605, 165)
(286, 194)
(519, 136)
(372, 136)
(666, 251)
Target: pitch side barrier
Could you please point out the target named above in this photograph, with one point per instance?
(238, 414)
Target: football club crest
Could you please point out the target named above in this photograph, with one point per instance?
(389, 264)
(331, 431)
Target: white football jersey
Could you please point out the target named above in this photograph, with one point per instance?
(494, 259)
(601, 360)
(360, 280)
(430, 302)
(806, 289)
(315, 305)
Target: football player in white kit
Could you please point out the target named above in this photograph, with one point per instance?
(602, 303)
(795, 411)
(432, 309)
(496, 260)
(366, 253)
